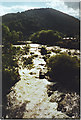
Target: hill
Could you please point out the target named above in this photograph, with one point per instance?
(34, 20)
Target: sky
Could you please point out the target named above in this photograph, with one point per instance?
(71, 8)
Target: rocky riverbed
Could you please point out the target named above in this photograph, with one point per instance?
(33, 97)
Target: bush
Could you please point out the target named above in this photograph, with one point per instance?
(64, 69)
(43, 51)
(46, 57)
(27, 62)
(26, 47)
(48, 37)
(56, 51)
(10, 77)
(49, 52)
(10, 73)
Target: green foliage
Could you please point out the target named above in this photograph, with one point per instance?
(10, 36)
(50, 37)
(46, 37)
(5, 34)
(72, 44)
(10, 77)
(32, 21)
(46, 57)
(43, 50)
(49, 52)
(56, 50)
(10, 73)
(26, 48)
(27, 62)
(64, 69)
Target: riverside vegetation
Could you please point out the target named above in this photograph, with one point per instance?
(10, 61)
(61, 70)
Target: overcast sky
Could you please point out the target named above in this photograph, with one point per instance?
(71, 8)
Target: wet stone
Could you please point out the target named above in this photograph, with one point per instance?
(32, 99)
(32, 73)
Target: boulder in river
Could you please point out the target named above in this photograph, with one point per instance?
(41, 75)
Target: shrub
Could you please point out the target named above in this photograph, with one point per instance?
(49, 52)
(10, 77)
(46, 57)
(26, 48)
(27, 62)
(10, 73)
(64, 69)
(43, 51)
(48, 37)
(56, 51)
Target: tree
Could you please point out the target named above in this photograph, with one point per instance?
(5, 34)
(46, 37)
(10, 73)
(10, 36)
(64, 69)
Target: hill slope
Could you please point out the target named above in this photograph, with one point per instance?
(45, 18)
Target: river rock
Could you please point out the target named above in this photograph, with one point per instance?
(41, 75)
(32, 73)
(56, 96)
(70, 105)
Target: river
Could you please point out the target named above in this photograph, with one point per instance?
(28, 97)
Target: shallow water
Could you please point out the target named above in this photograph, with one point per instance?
(30, 93)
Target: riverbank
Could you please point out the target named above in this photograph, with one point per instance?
(29, 97)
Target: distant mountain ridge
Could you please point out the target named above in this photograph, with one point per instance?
(34, 20)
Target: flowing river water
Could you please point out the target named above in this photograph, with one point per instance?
(28, 97)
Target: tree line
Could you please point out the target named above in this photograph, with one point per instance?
(51, 37)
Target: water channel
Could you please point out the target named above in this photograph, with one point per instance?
(29, 98)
